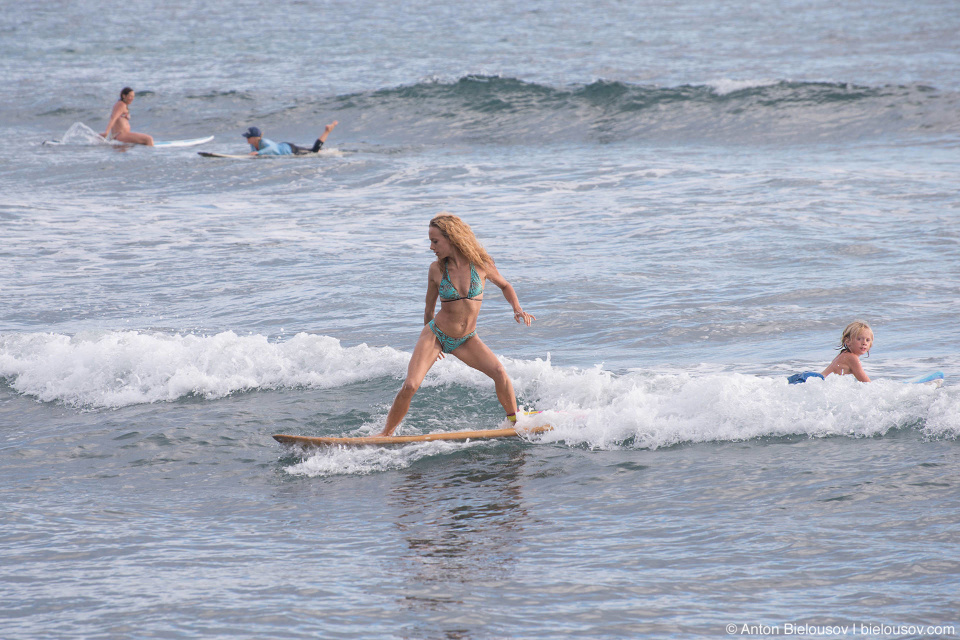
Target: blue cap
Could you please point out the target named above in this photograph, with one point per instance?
(252, 132)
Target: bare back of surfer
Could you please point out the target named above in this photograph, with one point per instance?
(119, 126)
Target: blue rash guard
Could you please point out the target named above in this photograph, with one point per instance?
(270, 148)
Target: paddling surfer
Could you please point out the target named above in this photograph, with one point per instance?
(266, 147)
(857, 339)
(462, 265)
(119, 126)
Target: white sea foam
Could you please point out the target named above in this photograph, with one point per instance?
(591, 407)
(641, 409)
(360, 460)
(602, 410)
(80, 134)
(726, 86)
(121, 368)
(598, 408)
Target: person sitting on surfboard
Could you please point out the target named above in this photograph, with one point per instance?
(462, 265)
(266, 147)
(119, 126)
(856, 340)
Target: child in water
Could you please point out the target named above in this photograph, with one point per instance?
(856, 340)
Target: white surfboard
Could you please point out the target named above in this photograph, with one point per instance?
(192, 142)
(246, 156)
(210, 154)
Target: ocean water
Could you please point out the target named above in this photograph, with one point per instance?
(693, 199)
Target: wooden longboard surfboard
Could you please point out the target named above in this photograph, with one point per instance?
(484, 434)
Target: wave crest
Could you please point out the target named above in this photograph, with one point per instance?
(123, 368)
(510, 110)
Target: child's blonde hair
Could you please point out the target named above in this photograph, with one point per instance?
(853, 330)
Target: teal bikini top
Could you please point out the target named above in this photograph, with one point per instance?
(449, 293)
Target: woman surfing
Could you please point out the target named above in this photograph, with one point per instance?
(462, 266)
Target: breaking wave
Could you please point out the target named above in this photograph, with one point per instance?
(587, 407)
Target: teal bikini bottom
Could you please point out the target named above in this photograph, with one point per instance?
(448, 344)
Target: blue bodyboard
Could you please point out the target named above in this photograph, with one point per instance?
(936, 377)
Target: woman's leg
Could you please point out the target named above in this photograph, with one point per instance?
(135, 138)
(475, 354)
(424, 355)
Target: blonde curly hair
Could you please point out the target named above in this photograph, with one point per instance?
(461, 237)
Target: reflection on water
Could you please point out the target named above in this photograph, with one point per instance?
(462, 523)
